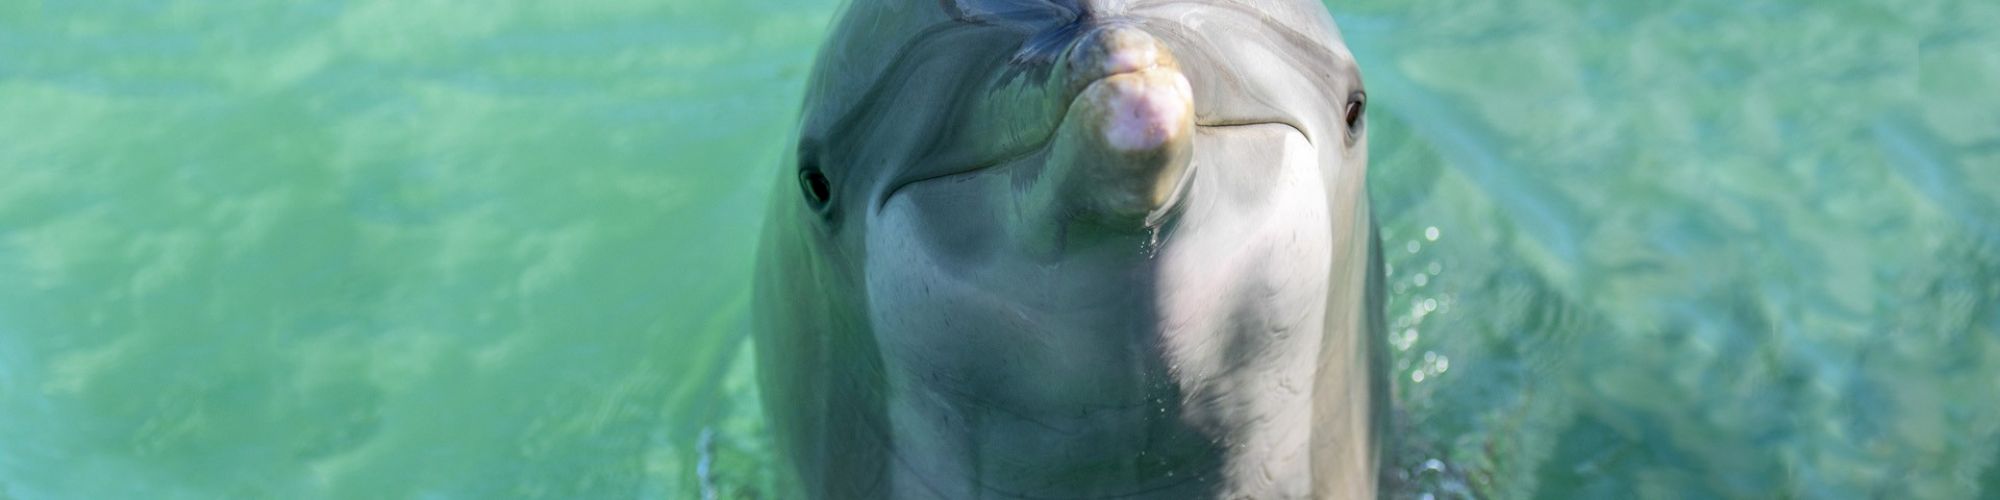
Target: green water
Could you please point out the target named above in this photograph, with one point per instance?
(466, 249)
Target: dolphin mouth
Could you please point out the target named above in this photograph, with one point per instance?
(1170, 208)
(1125, 96)
(1166, 212)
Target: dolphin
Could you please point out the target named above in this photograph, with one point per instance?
(1076, 249)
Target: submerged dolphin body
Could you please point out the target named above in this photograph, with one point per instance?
(1076, 249)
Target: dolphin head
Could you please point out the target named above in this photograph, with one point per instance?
(1075, 248)
(908, 92)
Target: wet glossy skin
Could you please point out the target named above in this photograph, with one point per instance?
(1076, 251)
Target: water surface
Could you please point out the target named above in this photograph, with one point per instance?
(467, 249)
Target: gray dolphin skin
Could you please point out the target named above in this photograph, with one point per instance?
(1076, 249)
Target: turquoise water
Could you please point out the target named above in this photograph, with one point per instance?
(460, 249)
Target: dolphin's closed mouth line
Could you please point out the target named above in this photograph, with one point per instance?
(1252, 123)
(1172, 207)
(883, 202)
(890, 194)
(1042, 148)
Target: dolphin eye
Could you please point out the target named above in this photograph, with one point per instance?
(813, 184)
(1357, 106)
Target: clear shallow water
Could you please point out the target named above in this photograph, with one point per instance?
(457, 249)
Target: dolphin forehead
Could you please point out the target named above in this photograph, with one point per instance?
(869, 36)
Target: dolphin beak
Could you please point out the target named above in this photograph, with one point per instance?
(1123, 149)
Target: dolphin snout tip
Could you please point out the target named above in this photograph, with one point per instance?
(1133, 134)
(1144, 111)
(1124, 148)
(1142, 99)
